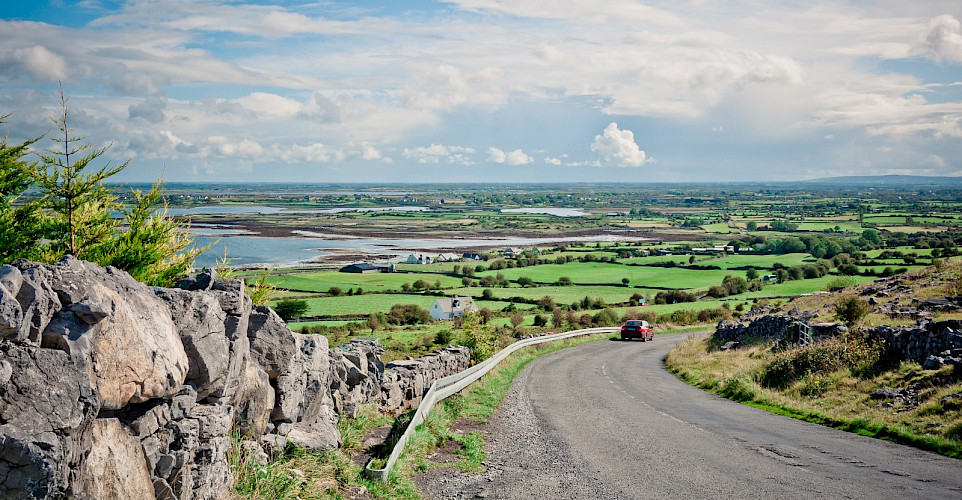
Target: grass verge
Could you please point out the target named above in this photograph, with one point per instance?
(335, 474)
(475, 404)
(929, 417)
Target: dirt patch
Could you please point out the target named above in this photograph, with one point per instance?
(374, 445)
(446, 454)
(467, 426)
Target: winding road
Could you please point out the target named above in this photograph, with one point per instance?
(606, 420)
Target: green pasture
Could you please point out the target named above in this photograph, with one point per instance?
(760, 262)
(373, 282)
(603, 272)
(852, 227)
(363, 305)
(796, 287)
(905, 250)
(443, 267)
(561, 294)
(658, 259)
(720, 228)
(897, 220)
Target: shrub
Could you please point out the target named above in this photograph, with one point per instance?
(674, 297)
(289, 309)
(444, 337)
(855, 353)
(482, 340)
(74, 212)
(408, 314)
(606, 317)
(840, 283)
(737, 389)
(851, 310)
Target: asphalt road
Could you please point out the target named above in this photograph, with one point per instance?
(606, 420)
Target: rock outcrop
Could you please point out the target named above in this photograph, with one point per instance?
(113, 389)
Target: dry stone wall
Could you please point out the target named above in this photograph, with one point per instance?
(110, 388)
(931, 343)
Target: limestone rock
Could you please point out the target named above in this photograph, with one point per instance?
(304, 398)
(118, 331)
(11, 314)
(47, 406)
(253, 400)
(356, 372)
(200, 320)
(273, 345)
(231, 294)
(115, 468)
(38, 301)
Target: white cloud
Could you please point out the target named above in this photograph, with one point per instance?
(943, 40)
(513, 158)
(437, 153)
(318, 82)
(245, 148)
(618, 146)
(41, 63)
(150, 109)
(267, 105)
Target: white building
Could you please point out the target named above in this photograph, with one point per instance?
(448, 308)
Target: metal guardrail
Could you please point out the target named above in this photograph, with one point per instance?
(452, 384)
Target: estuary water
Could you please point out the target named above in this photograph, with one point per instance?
(245, 249)
(262, 209)
(556, 211)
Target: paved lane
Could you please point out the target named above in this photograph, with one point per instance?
(606, 420)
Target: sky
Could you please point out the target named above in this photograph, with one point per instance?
(463, 91)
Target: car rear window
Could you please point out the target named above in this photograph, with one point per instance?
(633, 323)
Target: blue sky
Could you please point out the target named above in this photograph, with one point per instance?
(493, 90)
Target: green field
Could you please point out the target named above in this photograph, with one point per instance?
(561, 294)
(602, 272)
(374, 282)
(796, 287)
(362, 305)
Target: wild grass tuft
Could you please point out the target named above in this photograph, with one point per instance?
(830, 384)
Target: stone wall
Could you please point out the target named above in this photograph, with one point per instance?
(110, 388)
(361, 378)
(931, 343)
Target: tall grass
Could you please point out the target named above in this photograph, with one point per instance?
(830, 384)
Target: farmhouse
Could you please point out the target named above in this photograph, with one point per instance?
(452, 307)
(716, 249)
(419, 258)
(428, 258)
(471, 255)
(363, 268)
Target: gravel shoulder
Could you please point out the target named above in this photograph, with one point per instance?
(523, 459)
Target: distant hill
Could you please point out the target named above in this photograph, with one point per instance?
(889, 180)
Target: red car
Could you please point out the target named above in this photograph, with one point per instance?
(637, 329)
